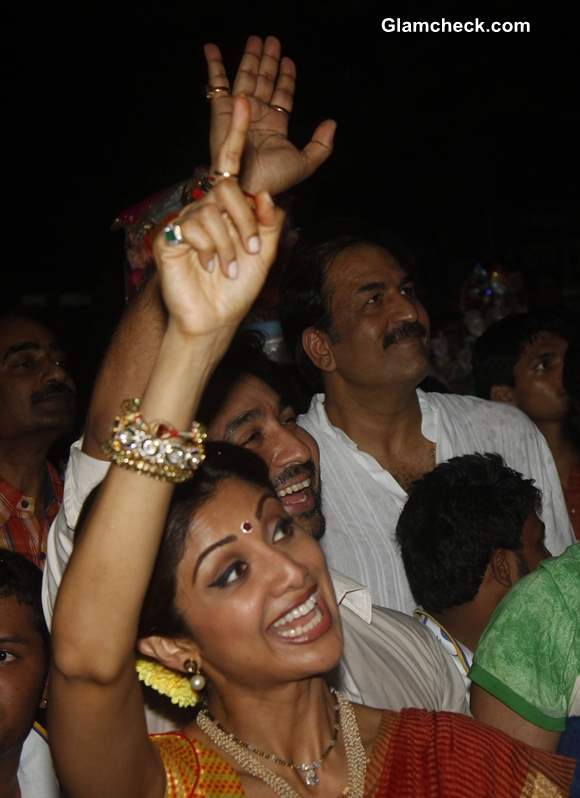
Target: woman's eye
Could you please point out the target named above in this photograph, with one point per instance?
(408, 290)
(541, 366)
(284, 529)
(373, 299)
(6, 656)
(232, 574)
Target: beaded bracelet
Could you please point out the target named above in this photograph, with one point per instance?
(156, 449)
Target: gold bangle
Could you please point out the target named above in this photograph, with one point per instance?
(156, 449)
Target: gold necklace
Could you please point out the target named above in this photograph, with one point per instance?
(245, 755)
(306, 769)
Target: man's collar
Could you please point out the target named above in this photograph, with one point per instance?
(353, 596)
(462, 656)
(24, 505)
(429, 418)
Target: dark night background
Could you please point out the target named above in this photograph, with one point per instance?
(463, 144)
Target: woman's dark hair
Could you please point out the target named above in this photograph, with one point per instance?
(223, 461)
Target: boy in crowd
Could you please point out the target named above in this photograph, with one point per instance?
(25, 764)
(519, 361)
(468, 532)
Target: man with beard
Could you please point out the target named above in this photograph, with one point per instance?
(353, 321)
(37, 400)
(389, 659)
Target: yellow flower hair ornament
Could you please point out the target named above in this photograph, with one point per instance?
(175, 686)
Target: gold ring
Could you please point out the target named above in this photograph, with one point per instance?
(225, 174)
(216, 91)
(279, 108)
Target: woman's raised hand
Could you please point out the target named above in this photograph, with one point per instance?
(210, 279)
(270, 161)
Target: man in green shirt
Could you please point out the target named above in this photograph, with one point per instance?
(526, 671)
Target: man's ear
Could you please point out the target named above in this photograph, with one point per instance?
(502, 568)
(503, 393)
(317, 346)
(173, 652)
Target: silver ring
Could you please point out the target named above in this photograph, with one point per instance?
(173, 234)
(279, 108)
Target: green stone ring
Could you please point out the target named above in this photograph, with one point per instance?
(173, 234)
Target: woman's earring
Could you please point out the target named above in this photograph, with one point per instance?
(198, 679)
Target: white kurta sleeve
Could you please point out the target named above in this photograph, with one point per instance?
(83, 473)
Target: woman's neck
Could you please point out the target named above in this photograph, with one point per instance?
(294, 721)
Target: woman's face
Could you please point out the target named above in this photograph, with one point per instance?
(260, 604)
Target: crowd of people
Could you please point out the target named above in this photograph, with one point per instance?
(378, 597)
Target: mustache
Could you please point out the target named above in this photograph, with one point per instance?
(293, 471)
(408, 329)
(53, 388)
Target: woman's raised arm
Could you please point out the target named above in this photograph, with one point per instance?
(97, 724)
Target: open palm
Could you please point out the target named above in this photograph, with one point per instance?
(270, 161)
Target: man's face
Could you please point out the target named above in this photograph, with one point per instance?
(22, 672)
(254, 416)
(36, 392)
(381, 329)
(538, 388)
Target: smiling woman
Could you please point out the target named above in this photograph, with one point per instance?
(267, 587)
(212, 581)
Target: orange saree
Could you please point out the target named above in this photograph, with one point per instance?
(417, 754)
(440, 754)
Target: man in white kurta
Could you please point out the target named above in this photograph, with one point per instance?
(352, 318)
(362, 501)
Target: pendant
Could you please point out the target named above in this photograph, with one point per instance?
(311, 778)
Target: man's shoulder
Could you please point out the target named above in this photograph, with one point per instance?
(400, 626)
(396, 639)
(543, 601)
(470, 424)
(461, 407)
(462, 410)
(557, 578)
